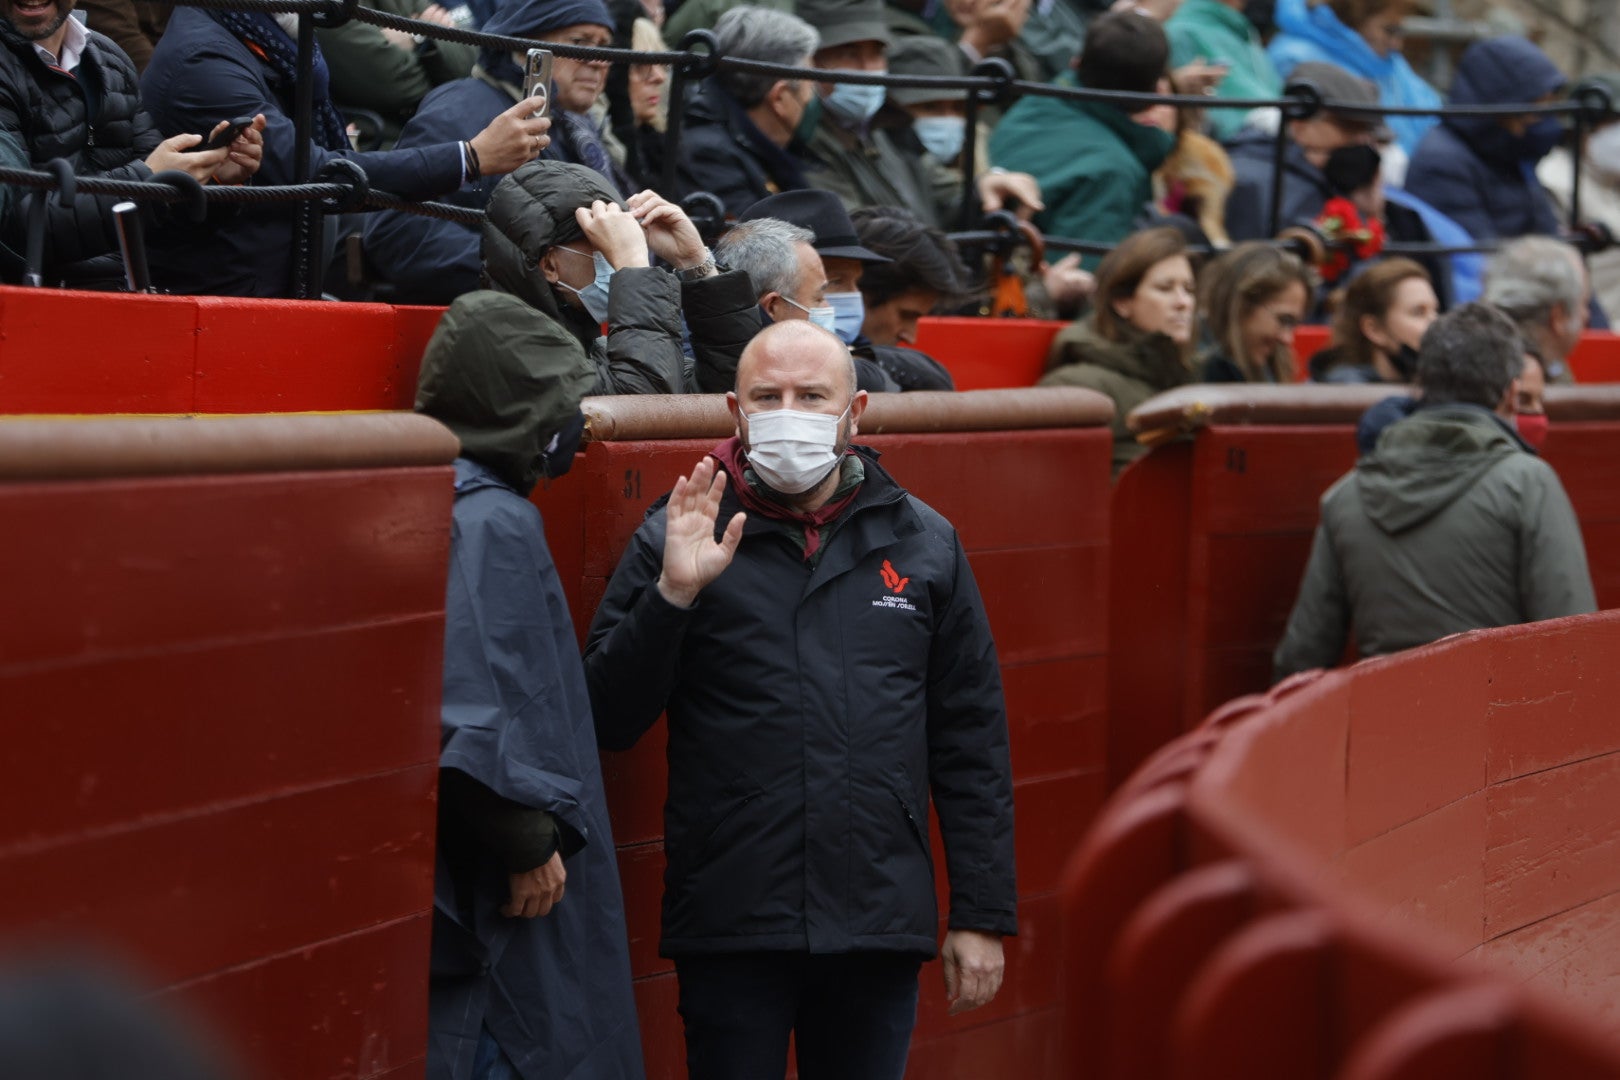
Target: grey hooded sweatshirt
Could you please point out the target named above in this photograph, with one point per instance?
(1451, 524)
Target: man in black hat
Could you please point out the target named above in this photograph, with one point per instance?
(852, 149)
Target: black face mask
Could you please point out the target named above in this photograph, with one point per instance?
(1405, 361)
(1351, 168)
(558, 456)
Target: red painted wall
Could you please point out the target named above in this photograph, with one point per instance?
(1286, 890)
(220, 700)
(1210, 539)
(181, 354)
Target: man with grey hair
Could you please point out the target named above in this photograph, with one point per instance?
(814, 635)
(741, 137)
(781, 262)
(1450, 524)
(1542, 285)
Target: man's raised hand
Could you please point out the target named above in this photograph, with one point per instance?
(692, 556)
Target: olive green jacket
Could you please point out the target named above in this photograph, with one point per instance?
(1450, 524)
(369, 73)
(1129, 372)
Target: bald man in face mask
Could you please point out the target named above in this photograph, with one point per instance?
(815, 635)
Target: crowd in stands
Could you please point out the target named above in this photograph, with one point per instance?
(880, 167)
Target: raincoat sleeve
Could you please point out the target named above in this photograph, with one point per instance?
(631, 656)
(969, 768)
(502, 720)
(1554, 580)
(1321, 617)
(643, 353)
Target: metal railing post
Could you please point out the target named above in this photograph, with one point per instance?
(306, 268)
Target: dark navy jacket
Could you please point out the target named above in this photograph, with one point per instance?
(722, 151)
(812, 709)
(555, 991)
(201, 74)
(431, 261)
(1471, 169)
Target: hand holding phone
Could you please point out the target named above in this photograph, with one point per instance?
(537, 80)
(224, 137)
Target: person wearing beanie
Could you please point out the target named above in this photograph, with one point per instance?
(530, 971)
(429, 261)
(851, 139)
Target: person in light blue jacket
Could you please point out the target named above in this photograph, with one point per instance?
(1364, 38)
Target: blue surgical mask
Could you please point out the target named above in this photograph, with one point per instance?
(941, 136)
(1541, 138)
(823, 316)
(595, 295)
(850, 312)
(854, 104)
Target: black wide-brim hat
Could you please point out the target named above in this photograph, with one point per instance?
(824, 215)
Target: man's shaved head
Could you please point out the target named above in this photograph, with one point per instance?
(802, 340)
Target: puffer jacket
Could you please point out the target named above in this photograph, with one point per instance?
(1470, 168)
(1128, 371)
(873, 170)
(44, 114)
(1451, 524)
(811, 710)
(533, 209)
(723, 152)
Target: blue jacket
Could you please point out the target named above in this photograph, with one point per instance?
(201, 74)
(554, 991)
(432, 261)
(1471, 169)
(1315, 34)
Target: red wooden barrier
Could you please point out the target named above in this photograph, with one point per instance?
(1043, 576)
(1287, 891)
(1210, 537)
(183, 354)
(219, 673)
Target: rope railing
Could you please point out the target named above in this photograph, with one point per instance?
(992, 82)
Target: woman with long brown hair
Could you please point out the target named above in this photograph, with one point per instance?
(1254, 297)
(1379, 326)
(1137, 341)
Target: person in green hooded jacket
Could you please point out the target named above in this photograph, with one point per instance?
(1138, 339)
(1093, 161)
(1218, 32)
(1452, 523)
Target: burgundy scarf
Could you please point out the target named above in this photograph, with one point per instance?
(730, 456)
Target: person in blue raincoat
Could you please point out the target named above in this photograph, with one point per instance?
(531, 971)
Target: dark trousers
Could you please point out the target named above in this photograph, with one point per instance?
(850, 1015)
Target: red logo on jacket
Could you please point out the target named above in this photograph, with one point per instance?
(894, 581)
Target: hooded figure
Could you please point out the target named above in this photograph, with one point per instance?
(1477, 171)
(520, 781)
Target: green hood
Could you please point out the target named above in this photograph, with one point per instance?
(505, 379)
(529, 211)
(1426, 462)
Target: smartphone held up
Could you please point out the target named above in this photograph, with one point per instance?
(537, 80)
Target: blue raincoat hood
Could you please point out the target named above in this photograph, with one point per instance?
(1500, 71)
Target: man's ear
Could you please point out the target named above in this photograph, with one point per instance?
(769, 301)
(736, 411)
(1558, 317)
(548, 265)
(857, 406)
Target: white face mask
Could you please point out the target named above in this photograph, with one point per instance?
(793, 451)
(1603, 150)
